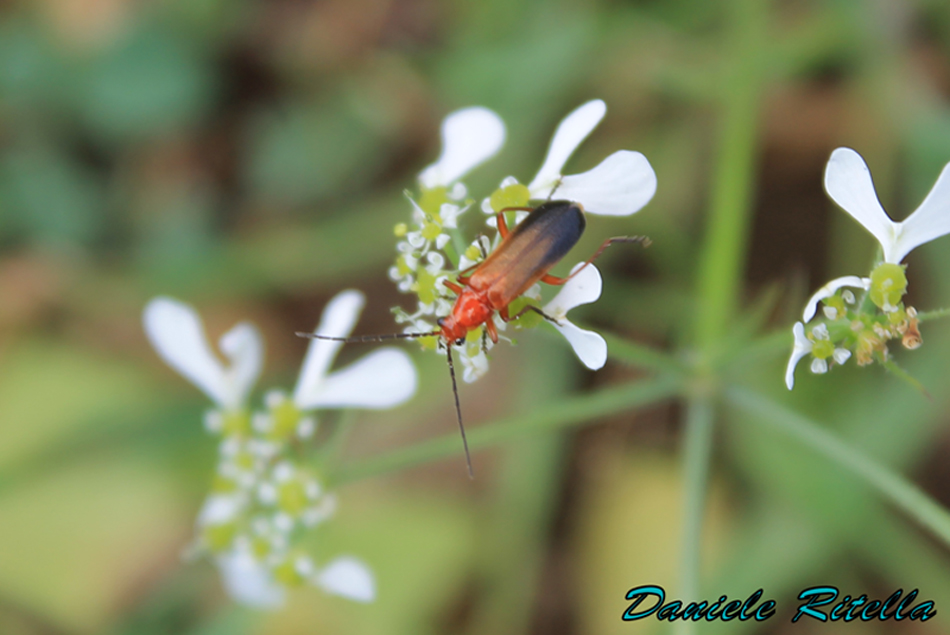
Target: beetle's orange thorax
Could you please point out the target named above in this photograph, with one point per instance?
(471, 310)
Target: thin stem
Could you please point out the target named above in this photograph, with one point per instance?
(724, 248)
(332, 448)
(558, 415)
(697, 449)
(895, 488)
(936, 314)
(641, 356)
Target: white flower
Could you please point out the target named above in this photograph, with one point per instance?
(176, 332)
(829, 290)
(804, 346)
(801, 348)
(622, 184)
(583, 288)
(248, 580)
(382, 379)
(347, 577)
(848, 182)
(469, 137)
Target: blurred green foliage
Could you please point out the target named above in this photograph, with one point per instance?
(249, 157)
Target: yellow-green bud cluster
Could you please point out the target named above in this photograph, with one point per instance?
(261, 499)
(864, 327)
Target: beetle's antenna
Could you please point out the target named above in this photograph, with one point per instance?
(458, 409)
(358, 339)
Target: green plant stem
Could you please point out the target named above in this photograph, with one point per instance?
(561, 414)
(641, 356)
(724, 250)
(895, 488)
(936, 314)
(721, 261)
(697, 444)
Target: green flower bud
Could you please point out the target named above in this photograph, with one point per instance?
(286, 573)
(424, 286)
(431, 201)
(888, 285)
(235, 423)
(515, 195)
(400, 230)
(292, 497)
(431, 231)
(530, 319)
(285, 419)
(219, 537)
(822, 349)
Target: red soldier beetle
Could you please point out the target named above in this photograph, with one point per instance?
(524, 257)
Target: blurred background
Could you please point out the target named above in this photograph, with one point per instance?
(249, 157)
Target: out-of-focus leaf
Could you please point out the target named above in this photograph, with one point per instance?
(85, 537)
(48, 195)
(31, 75)
(48, 390)
(150, 83)
(308, 151)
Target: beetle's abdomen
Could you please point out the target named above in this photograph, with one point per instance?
(531, 249)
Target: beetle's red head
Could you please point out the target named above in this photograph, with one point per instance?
(452, 331)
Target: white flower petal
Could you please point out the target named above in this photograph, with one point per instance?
(819, 366)
(177, 334)
(347, 577)
(474, 367)
(338, 319)
(848, 182)
(929, 221)
(622, 184)
(841, 355)
(244, 348)
(469, 137)
(801, 348)
(382, 379)
(589, 346)
(829, 290)
(572, 130)
(583, 288)
(248, 581)
(219, 509)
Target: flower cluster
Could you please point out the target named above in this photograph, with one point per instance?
(263, 498)
(432, 250)
(862, 324)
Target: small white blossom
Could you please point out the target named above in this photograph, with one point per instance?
(348, 577)
(829, 290)
(848, 182)
(177, 334)
(801, 348)
(248, 580)
(470, 137)
(841, 355)
(583, 288)
(622, 184)
(382, 379)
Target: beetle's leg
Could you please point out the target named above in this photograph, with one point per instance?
(503, 224)
(451, 286)
(549, 279)
(528, 307)
(485, 341)
(492, 331)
